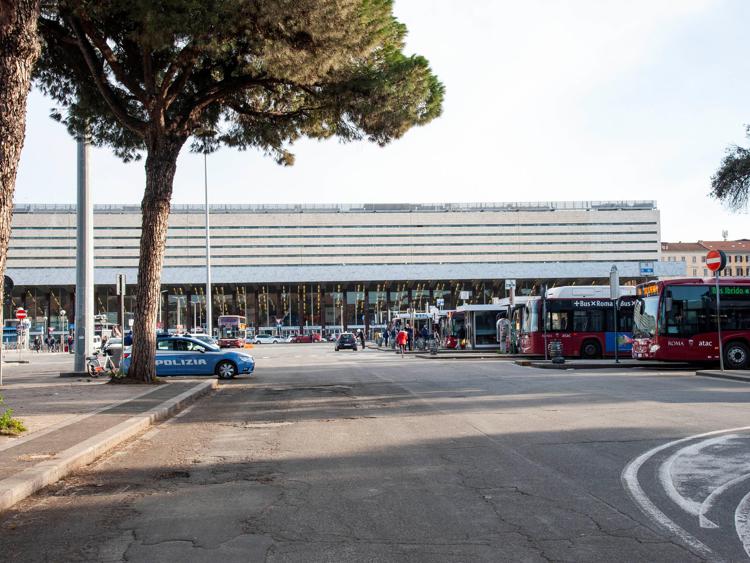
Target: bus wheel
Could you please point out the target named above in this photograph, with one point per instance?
(737, 355)
(591, 350)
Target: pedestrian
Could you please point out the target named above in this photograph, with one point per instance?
(386, 334)
(361, 335)
(410, 336)
(401, 340)
(38, 343)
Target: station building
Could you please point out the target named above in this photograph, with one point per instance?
(320, 266)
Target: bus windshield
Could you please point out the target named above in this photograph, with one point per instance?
(644, 317)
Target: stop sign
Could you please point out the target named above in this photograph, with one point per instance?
(716, 260)
(20, 313)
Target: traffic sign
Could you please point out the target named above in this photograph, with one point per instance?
(716, 260)
(20, 313)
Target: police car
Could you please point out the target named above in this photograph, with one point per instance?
(182, 355)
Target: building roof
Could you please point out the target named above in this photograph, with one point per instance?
(682, 247)
(741, 245)
(624, 205)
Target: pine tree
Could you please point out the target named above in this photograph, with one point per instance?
(19, 49)
(144, 77)
(731, 182)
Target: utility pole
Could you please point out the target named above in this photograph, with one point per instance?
(84, 313)
(209, 312)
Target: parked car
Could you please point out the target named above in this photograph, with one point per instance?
(204, 338)
(307, 338)
(346, 340)
(266, 338)
(182, 355)
(113, 346)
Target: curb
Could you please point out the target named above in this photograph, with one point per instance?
(29, 481)
(734, 375)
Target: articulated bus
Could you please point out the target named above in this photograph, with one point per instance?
(581, 319)
(675, 320)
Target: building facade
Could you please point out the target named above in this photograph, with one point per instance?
(334, 265)
(693, 255)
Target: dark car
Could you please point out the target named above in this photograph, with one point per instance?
(346, 340)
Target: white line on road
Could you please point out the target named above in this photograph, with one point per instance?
(711, 499)
(665, 477)
(741, 524)
(630, 482)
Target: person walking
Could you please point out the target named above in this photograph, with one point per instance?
(361, 335)
(386, 334)
(410, 336)
(401, 339)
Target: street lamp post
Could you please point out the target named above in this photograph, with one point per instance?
(209, 312)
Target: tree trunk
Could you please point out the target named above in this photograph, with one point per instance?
(19, 49)
(161, 164)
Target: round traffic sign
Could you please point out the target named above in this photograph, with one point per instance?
(20, 313)
(716, 260)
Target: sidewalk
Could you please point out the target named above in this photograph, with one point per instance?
(71, 423)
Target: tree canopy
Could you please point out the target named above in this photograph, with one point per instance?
(258, 74)
(731, 182)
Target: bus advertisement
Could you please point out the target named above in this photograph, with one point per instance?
(232, 331)
(675, 320)
(581, 319)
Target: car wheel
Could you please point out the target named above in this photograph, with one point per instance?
(226, 370)
(274, 342)
(737, 355)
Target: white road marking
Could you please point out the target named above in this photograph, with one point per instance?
(741, 523)
(665, 477)
(629, 478)
(711, 499)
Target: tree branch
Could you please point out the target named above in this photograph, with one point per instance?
(183, 61)
(120, 73)
(100, 79)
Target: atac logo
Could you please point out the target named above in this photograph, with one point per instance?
(183, 362)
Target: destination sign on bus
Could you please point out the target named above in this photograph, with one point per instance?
(647, 290)
(731, 290)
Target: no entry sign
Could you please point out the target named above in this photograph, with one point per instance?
(20, 313)
(716, 260)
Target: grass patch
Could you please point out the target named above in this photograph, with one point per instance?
(8, 425)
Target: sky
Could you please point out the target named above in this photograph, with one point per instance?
(546, 100)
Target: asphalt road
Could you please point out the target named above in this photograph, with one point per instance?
(366, 456)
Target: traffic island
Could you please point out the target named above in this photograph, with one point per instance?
(599, 364)
(33, 462)
(733, 374)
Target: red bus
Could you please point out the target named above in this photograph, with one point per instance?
(581, 318)
(232, 331)
(675, 320)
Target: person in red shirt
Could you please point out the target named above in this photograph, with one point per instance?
(401, 339)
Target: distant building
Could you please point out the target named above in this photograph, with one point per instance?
(319, 266)
(693, 254)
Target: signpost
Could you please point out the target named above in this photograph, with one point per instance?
(7, 291)
(716, 261)
(120, 291)
(614, 294)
